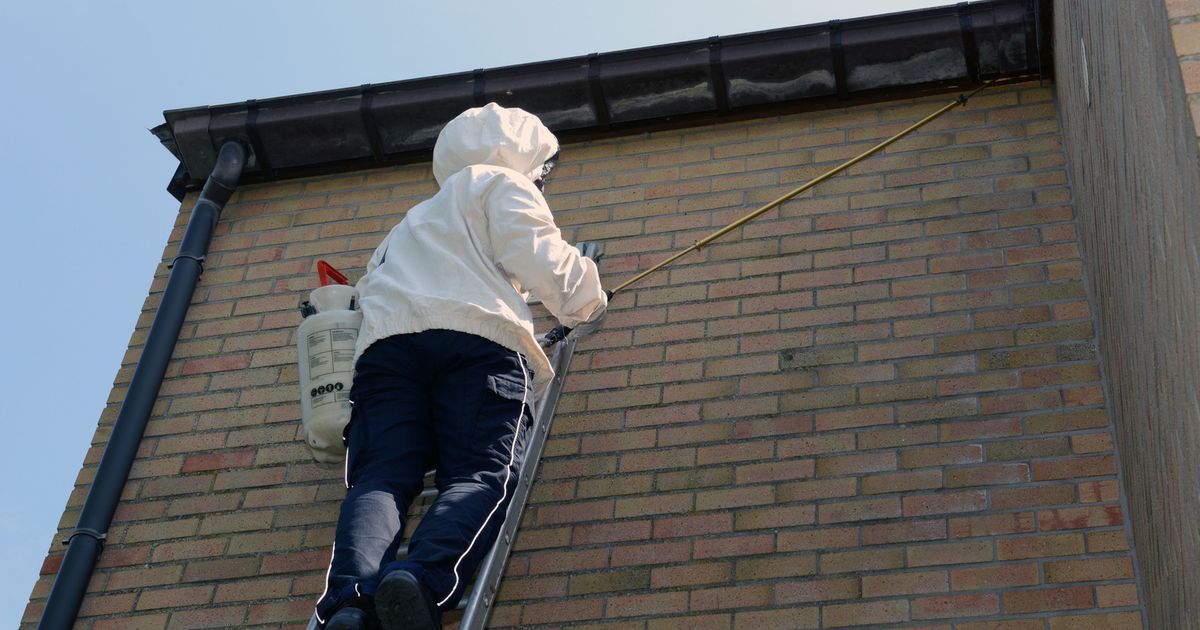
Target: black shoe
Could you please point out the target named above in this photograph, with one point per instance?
(348, 618)
(403, 603)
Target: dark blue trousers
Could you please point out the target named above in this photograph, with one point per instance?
(435, 399)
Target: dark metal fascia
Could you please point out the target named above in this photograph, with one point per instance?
(838, 54)
(717, 75)
(479, 84)
(368, 120)
(596, 91)
(970, 47)
(1032, 32)
(591, 76)
(256, 143)
(1044, 28)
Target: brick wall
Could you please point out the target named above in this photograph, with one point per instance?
(1135, 173)
(1184, 16)
(879, 405)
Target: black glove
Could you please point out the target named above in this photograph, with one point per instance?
(556, 334)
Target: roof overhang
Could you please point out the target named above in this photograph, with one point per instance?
(800, 68)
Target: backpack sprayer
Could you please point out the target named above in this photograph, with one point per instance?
(560, 332)
(325, 343)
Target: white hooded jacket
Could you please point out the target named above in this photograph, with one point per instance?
(466, 258)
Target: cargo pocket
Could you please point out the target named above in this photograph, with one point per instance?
(503, 406)
(506, 386)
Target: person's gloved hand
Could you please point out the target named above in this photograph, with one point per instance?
(560, 332)
(553, 336)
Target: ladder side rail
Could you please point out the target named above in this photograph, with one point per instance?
(487, 582)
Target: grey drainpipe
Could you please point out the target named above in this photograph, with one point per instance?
(85, 543)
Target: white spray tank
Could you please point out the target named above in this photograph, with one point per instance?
(326, 343)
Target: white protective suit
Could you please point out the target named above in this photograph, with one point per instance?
(467, 258)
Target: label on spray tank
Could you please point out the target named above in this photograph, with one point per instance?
(329, 352)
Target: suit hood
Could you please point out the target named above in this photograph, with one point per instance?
(494, 136)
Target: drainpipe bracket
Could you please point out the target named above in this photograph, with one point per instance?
(87, 531)
(199, 260)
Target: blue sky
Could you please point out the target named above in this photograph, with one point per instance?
(82, 182)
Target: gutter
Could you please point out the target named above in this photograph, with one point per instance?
(802, 68)
(85, 543)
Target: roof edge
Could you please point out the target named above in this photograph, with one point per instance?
(787, 70)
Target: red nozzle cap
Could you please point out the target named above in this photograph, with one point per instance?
(329, 275)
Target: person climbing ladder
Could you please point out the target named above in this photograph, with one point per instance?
(447, 369)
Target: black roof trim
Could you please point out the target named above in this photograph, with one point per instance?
(800, 68)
